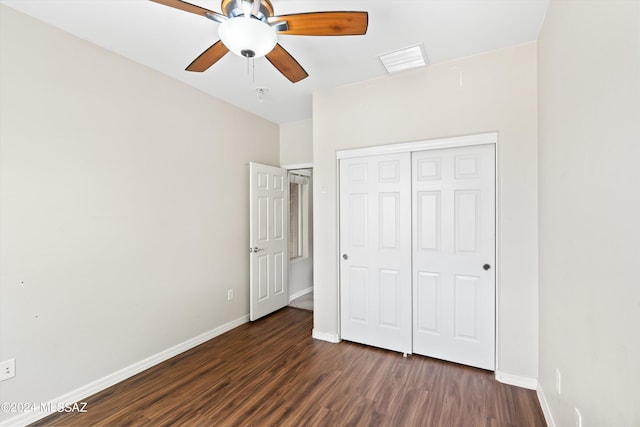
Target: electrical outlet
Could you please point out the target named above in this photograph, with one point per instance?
(7, 369)
(558, 382)
(578, 418)
(229, 294)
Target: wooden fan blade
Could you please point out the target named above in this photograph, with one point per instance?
(324, 23)
(188, 7)
(208, 57)
(286, 64)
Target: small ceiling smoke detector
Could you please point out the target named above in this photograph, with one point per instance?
(262, 91)
(404, 59)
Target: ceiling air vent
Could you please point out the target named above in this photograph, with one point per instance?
(404, 59)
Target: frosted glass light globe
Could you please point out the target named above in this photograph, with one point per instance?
(247, 37)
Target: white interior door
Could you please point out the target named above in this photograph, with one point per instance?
(269, 223)
(375, 250)
(453, 254)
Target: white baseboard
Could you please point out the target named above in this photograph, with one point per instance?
(300, 293)
(324, 336)
(548, 417)
(121, 375)
(518, 381)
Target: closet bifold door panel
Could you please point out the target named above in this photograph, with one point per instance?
(375, 251)
(453, 222)
(417, 250)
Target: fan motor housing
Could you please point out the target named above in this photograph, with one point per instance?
(233, 8)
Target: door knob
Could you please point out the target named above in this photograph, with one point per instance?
(345, 257)
(256, 249)
(486, 266)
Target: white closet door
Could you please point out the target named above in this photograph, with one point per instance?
(453, 254)
(375, 250)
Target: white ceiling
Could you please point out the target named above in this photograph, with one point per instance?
(167, 40)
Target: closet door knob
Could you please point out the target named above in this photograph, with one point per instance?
(345, 257)
(486, 266)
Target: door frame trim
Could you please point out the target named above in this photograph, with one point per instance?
(422, 145)
(297, 166)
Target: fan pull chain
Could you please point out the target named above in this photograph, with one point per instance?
(251, 69)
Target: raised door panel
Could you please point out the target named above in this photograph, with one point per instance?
(428, 169)
(466, 308)
(356, 173)
(389, 214)
(263, 277)
(262, 181)
(279, 267)
(390, 298)
(427, 298)
(279, 218)
(358, 294)
(263, 219)
(428, 221)
(466, 220)
(389, 171)
(357, 221)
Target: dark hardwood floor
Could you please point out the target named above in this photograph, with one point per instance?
(272, 372)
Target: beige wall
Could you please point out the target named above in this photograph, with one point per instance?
(296, 143)
(589, 183)
(123, 210)
(490, 92)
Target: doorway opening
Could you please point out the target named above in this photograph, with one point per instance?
(301, 238)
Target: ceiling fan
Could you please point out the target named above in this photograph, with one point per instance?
(249, 28)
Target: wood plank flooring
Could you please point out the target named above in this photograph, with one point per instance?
(272, 373)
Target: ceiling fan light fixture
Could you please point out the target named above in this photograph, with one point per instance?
(247, 37)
